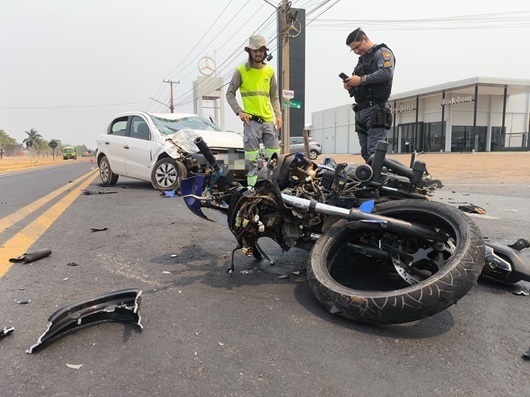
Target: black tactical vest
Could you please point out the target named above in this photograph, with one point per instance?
(367, 65)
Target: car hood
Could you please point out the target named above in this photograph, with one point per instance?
(214, 139)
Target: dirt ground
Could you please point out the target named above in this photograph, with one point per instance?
(9, 163)
(491, 167)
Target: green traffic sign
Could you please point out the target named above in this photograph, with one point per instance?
(292, 104)
(295, 104)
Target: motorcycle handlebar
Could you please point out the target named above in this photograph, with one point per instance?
(206, 152)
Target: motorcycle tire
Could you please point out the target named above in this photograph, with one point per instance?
(355, 286)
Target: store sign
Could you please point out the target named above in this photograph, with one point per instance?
(288, 94)
(457, 100)
(403, 108)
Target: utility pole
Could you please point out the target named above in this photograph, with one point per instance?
(285, 25)
(286, 18)
(171, 107)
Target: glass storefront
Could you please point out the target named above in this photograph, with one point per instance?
(422, 137)
(409, 137)
(434, 139)
(463, 139)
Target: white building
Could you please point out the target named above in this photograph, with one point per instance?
(479, 114)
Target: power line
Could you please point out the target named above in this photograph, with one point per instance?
(477, 21)
(71, 107)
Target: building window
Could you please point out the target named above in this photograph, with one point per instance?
(498, 136)
(410, 138)
(433, 139)
(463, 139)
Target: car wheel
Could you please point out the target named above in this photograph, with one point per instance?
(167, 173)
(313, 154)
(108, 178)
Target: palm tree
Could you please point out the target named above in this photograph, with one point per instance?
(33, 139)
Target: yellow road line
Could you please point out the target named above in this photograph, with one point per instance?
(17, 216)
(24, 239)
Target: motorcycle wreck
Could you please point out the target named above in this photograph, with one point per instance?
(380, 251)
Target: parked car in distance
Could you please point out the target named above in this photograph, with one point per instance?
(133, 147)
(296, 144)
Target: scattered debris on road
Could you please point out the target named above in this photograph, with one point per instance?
(473, 209)
(6, 331)
(526, 355)
(521, 290)
(23, 301)
(91, 192)
(122, 305)
(32, 256)
(98, 229)
(520, 244)
(168, 193)
(74, 366)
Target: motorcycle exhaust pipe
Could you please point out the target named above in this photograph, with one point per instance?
(206, 152)
(390, 224)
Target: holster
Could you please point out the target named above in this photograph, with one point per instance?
(382, 117)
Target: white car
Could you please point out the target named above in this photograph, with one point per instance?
(135, 142)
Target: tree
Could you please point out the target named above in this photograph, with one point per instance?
(42, 148)
(33, 140)
(5, 141)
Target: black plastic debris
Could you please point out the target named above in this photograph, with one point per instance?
(32, 256)
(90, 192)
(72, 264)
(473, 209)
(520, 244)
(526, 355)
(6, 331)
(23, 301)
(123, 305)
(98, 229)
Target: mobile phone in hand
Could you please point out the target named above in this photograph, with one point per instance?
(343, 76)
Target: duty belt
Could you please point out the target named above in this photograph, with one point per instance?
(367, 104)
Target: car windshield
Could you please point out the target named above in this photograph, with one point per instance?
(170, 126)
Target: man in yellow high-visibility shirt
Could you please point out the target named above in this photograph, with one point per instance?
(261, 114)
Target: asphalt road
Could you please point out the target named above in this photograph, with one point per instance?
(207, 333)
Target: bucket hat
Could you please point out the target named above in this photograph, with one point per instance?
(256, 42)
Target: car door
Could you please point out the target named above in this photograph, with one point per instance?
(114, 144)
(139, 149)
(297, 145)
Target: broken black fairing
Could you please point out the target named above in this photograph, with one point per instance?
(123, 305)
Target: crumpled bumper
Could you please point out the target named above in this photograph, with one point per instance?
(122, 305)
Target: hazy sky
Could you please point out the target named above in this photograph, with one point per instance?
(68, 66)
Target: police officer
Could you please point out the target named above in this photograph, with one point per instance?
(370, 85)
(261, 106)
